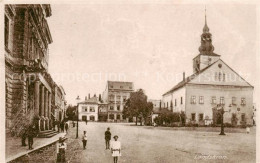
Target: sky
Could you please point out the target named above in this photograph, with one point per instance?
(148, 44)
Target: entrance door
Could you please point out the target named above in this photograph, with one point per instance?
(92, 118)
(84, 118)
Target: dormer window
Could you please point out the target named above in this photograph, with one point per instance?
(121, 87)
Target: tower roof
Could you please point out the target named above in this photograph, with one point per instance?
(206, 28)
(206, 47)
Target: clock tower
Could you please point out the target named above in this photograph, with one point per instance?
(206, 56)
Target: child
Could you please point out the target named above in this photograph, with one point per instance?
(108, 138)
(116, 149)
(247, 129)
(84, 139)
(61, 147)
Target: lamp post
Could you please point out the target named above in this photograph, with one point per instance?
(77, 133)
(222, 111)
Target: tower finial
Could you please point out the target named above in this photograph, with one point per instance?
(205, 14)
(206, 28)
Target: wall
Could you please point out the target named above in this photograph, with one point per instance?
(175, 95)
(88, 113)
(207, 91)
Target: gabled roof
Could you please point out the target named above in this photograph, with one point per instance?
(92, 100)
(188, 79)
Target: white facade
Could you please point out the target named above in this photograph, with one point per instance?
(88, 112)
(217, 84)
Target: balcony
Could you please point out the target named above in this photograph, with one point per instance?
(35, 65)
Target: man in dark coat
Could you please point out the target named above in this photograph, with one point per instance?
(23, 136)
(107, 138)
(30, 134)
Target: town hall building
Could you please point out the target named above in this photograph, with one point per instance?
(213, 85)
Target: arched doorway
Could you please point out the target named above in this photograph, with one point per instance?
(84, 118)
(92, 118)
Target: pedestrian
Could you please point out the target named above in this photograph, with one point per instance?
(107, 138)
(23, 136)
(58, 125)
(30, 135)
(73, 123)
(62, 126)
(86, 121)
(116, 149)
(61, 147)
(66, 126)
(84, 139)
(247, 129)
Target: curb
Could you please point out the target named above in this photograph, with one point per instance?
(12, 158)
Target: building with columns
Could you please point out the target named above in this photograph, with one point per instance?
(115, 95)
(28, 85)
(213, 86)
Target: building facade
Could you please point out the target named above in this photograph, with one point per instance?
(88, 109)
(214, 85)
(29, 86)
(115, 95)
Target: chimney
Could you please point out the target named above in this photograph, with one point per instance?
(183, 76)
(89, 96)
(86, 97)
(99, 97)
(95, 95)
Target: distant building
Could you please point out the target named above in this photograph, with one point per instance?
(88, 109)
(102, 111)
(214, 84)
(115, 95)
(156, 103)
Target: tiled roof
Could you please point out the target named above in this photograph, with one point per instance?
(120, 85)
(92, 100)
(188, 79)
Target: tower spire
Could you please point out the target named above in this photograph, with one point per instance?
(205, 14)
(206, 28)
(206, 46)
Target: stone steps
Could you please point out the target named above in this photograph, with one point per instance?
(47, 134)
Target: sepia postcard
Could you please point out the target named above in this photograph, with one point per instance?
(103, 81)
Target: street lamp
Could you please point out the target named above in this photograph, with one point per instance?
(77, 133)
(222, 111)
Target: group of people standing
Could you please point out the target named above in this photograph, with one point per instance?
(62, 126)
(28, 133)
(115, 145)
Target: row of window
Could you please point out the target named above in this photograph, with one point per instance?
(85, 109)
(118, 98)
(175, 103)
(121, 87)
(220, 76)
(201, 116)
(112, 116)
(214, 100)
(117, 107)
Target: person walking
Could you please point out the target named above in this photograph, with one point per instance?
(23, 136)
(30, 135)
(116, 149)
(107, 138)
(84, 139)
(66, 126)
(61, 147)
(58, 125)
(247, 129)
(62, 126)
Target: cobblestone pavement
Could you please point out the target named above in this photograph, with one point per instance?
(153, 145)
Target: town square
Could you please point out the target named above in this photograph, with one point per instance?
(131, 82)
